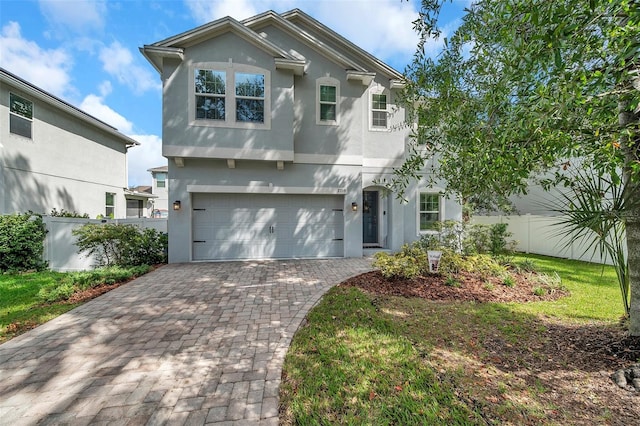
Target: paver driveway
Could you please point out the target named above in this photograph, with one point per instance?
(186, 344)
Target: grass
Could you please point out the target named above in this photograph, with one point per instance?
(364, 359)
(31, 299)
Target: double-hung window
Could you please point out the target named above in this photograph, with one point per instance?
(379, 111)
(161, 180)
(327, 100)
(428, 210)
(20, 115)
(110, 205)
(210, 90)
(249, 97)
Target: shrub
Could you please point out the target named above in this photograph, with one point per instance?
(452, 281)
(121, 245)
(65, 213)
(482, 239)
(409, 263)
(22, 242)
(78, 281)
(509, 281)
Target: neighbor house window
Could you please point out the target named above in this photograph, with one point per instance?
(328, 93)
(210, 90)
(161, 180)
(379, 111)
(20, 115)
(110, 205)
(249, 97)
(428, 210)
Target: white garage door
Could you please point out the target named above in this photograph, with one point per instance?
(260, 226)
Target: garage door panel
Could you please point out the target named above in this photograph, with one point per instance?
(253, 226)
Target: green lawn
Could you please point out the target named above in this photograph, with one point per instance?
(23, 296)
(365, 359)
(19, 303)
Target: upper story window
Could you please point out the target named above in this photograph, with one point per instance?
(161, 180)
(429, 211)
(210, 88)
(20, 115)
(378, 109)
(230, 95)
(328, 94)
(249, 97)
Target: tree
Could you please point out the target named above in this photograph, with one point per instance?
(519, 92)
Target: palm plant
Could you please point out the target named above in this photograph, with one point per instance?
(594, 210)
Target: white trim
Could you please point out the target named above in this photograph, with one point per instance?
(265, 189)
(227, 153)
(343, 160)
(441, 199)
(328, 81)
(230, 69)
(382, 162)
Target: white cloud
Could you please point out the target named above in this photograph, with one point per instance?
(77, 15)
(118, 61)
(48, 69)
(144, 157)
(204, 11)
(94, 105)
(381, 27)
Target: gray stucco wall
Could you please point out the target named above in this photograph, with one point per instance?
(67, 164)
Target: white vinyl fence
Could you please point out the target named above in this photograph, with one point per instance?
(60, 248)
(542, 235)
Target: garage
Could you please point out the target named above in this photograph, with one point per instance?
(267, 226)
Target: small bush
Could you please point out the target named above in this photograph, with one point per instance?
(65, 213)
(509, 281)
(451, 262)
(84, 280)
(409, 263)
(481, 239)
(551, 283)
(452, 281)
(22, 242)
(525, 265)
(539, 291)
(121, 245)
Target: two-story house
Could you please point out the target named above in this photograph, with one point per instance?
(160, 188)
(55, 156)
(277, 129)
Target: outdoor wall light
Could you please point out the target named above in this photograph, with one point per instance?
(176, 205)
(354, 206)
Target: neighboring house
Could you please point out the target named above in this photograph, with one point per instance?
(160, 188)
(55, 156)
(140, 201)
(276, 129)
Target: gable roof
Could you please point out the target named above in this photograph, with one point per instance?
(44, 96)
(359, 64)
(174, 46)
(295, 15)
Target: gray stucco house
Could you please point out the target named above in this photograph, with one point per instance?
(55, 156)
(276, 129)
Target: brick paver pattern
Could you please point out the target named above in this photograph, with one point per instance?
(199, 343)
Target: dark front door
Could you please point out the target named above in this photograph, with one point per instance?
(370, 217)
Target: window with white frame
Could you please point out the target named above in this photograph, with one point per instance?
(378, 110)
(110, 205)
(328, 94)
(161, 180)
(230, 95)
(210, 89)
(249, 97)
(20, 115)
(428, 210)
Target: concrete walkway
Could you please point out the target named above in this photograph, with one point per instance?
(189, 344)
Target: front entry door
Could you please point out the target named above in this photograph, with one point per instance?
(370, 217)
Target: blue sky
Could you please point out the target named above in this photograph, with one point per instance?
(86, 51)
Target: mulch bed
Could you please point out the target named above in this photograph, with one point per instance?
(592, 347)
